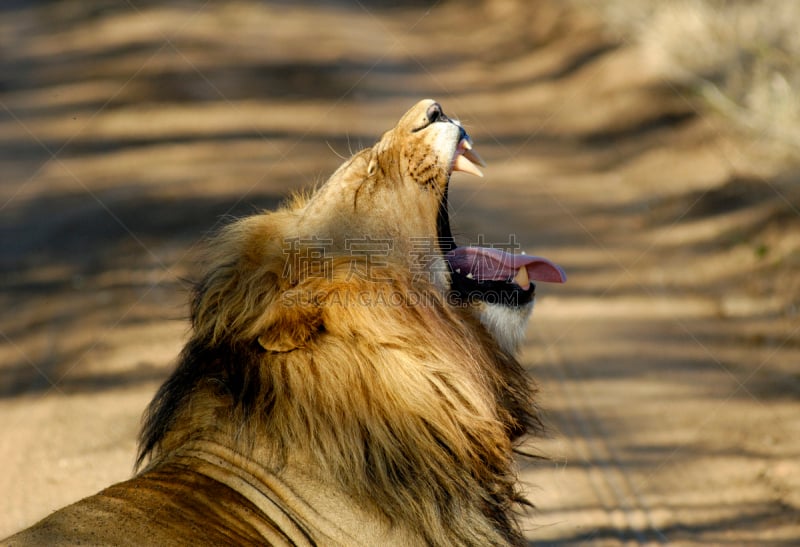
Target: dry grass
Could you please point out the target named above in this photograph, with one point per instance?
(741, 56)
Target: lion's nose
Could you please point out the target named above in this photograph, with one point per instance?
(435, 113)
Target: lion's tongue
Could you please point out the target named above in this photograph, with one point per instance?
(487, 264)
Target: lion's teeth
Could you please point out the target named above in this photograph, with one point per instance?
(462, 163)
(470, 276)
(458, 270)
(522, 278)
(466, 158)
(473, 156)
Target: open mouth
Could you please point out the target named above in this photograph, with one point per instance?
(488, 274)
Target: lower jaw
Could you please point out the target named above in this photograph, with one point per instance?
(502, 294)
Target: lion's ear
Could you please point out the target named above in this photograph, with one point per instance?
(278, 344)
(294, 328)
(372, 168)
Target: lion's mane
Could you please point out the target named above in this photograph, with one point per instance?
(406, 403)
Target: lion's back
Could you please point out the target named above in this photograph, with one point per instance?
(158, 508)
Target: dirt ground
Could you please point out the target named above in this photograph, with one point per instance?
(668, 363)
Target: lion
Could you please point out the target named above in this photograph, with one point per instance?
(349, 379)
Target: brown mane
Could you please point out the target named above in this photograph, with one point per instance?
(416, 416)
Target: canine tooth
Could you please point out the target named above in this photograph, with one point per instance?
(458, 270)
(465, 144)
(473, 156)
(470, 276)
(463, 163)
(522, 278)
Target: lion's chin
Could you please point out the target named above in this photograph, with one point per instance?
(506, 323)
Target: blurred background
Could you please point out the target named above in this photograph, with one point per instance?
(649, 147)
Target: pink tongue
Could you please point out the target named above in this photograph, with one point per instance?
(487, 264)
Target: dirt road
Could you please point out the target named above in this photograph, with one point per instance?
(668, 362)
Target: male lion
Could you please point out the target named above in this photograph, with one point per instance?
(349, 378)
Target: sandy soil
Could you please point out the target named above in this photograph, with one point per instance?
(668, 362)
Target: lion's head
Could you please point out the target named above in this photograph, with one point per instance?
(348, 336)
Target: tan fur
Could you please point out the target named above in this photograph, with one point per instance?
(332, 401)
